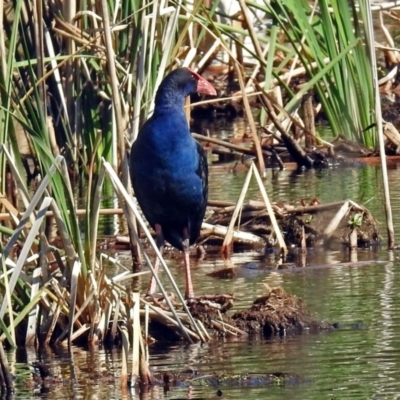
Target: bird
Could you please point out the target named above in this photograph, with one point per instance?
(169, 171)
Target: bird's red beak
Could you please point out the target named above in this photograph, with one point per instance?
(203, 86)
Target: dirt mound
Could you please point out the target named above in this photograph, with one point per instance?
(276, 313)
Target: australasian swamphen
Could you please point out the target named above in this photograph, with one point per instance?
(169, 168)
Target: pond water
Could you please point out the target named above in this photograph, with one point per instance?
(359, 360)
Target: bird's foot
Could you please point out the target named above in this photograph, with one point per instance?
(191, 302)
(189, 297)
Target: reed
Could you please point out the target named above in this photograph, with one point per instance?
(77, 79)
(344, 86)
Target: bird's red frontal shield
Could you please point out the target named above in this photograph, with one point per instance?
(203, 86)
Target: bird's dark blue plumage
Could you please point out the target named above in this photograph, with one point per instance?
(168, 167)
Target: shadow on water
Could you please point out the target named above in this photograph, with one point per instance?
(359, 360)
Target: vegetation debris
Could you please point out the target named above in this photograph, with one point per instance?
(277, 313)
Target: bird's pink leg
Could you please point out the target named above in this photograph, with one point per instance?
(160, 243)
(153, 284)
(186, 259)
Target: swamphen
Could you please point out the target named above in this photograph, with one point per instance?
(169, 168)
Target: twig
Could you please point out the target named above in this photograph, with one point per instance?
(234, 147)
(245, 237)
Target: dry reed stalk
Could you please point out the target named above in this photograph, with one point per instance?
(270, 210)
(124, 357)
(135, 318)
(343, 211)
(379, 123)
(165, 318)
(295, 73)
(239, 204)
(32, 325)
(250, 119)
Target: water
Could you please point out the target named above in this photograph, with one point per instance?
(360, 360)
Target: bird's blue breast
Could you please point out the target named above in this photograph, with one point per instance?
(164, 168)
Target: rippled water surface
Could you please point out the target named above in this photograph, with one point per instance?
(360, 360)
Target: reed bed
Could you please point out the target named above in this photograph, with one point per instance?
(76, 82)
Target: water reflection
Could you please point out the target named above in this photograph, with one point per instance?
(359, 360)
(221, 128)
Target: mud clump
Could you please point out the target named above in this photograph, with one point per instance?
(277, 313)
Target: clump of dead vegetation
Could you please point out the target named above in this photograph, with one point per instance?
(307, 224)
(277, 313)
